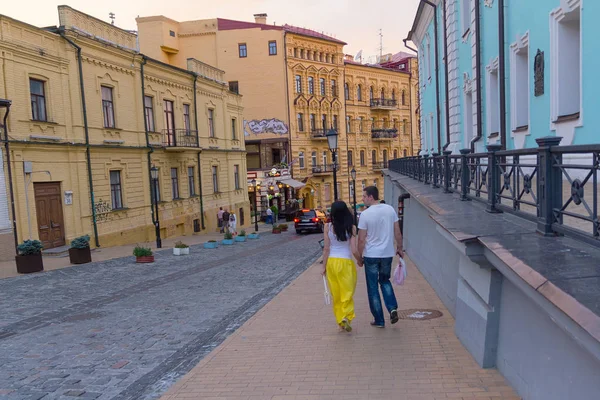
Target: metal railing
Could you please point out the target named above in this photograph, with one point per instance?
(555, 186)
(325, 169)
(380, 165)
(318, 133)
(180, 138)
(383, 103)
(384, 133)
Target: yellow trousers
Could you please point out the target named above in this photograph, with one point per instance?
(341, 276)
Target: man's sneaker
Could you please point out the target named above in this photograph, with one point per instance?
(346, 325)
(394, 316)
(376, 325)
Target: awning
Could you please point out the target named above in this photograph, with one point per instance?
(293, 183)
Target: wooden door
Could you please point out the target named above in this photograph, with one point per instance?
(48, 206)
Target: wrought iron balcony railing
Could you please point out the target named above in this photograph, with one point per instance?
(180, 138)
(380, 165)
(318, 133)
(384, 133)
(384, 103)
(325, 169)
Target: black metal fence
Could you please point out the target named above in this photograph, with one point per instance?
(555, 186)
(180, 138)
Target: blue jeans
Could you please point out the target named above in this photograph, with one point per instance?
(378, 271)
(269, 219)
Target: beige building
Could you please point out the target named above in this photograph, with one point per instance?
(293, 82)
(82, 146)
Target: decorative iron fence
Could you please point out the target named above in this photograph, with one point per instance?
(180, 138)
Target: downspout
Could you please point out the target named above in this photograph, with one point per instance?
(446, 78)
(478, 73)
(199, 151)
(412, 145)
(61, 32)
(150, 149)
(437, 74)
(10, 181)
(501, 61)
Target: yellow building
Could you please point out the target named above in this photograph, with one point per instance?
(293, 82)
(84, 167)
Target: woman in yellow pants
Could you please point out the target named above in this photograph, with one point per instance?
(340, 246)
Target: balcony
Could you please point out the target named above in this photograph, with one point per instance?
(384, 104)
(384, 133)
(318, 134)
(378, 166)
(324, 169)
(180, 138)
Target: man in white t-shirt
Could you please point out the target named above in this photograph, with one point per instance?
(378, 230)
(269, 216)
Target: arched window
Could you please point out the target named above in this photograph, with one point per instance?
(385, 160)
(371, 93)
(374, 156)
(403, 97)
(404, 152)
(359, 93)
(393, 94)
(395, 154)
(346, 91)
(382, 93)
(362, 158)
(301, 159)
(313, 158)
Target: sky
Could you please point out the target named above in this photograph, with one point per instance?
(356, 22)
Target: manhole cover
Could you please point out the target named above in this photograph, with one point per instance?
(418, 314)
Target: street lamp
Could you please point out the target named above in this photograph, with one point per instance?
(353, 175)
(332, 141)
(154, 176)
(256, 189)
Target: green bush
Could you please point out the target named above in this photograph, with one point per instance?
(228, 236)
(30, 247)
(275, 209)
(242, 233)
(140, 251)
(181, 245)
(81, 242)
(212, 241)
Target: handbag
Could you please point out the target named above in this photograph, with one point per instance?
(399, 275)
(327, 295)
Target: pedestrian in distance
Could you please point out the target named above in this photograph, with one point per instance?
(339, 248)
(378, 230)
(269, 219)
(233, 224)
(220, 219)
(226, 221)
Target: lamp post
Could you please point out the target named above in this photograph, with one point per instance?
(256, 190)
(353, 175)
(154, 175)
(332, 141)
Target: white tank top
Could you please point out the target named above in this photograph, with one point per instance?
(338, 249)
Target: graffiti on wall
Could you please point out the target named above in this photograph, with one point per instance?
(103, 210)
(257, 127)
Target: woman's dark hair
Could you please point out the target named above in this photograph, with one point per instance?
(342, 221)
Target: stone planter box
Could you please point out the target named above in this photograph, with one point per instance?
(240, 238)
(181, 252)
(227, 242)
(30, 263)
(80, 256)
(253, 236)
(144, 259)
(211, 245)
(277, 231)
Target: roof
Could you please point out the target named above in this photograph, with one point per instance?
(385, 68)
(416, 21)
(397, 59)
(311, 33)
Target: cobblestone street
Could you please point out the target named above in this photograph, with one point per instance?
(116, 329)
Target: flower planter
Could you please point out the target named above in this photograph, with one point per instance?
(253, 236)
(211, 245)
(240, 238)
(181, 251)
(283, 228)
(276, 231)
(80, 256)
(227, 242)
(30, 263)
(144, 259)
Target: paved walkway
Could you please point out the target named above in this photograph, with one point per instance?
(291, 349)
(8, 269)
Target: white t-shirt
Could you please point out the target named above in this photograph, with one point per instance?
(269, 211)
(378, 220)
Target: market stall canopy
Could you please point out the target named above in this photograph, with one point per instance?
(293, 183)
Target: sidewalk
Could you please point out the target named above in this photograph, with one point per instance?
(8, 269)
(291, 349)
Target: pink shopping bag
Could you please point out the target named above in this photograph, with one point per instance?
(399, 275)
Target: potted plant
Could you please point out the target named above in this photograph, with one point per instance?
(241, 237)
(275, 213)
(30, 257)
(211, 244)
(181, 249)
(283, 227)
(276, 229)
(228, 239)
(143, 254)
(80, 252)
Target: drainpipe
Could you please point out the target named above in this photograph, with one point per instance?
(437, 74)
(10, 181)
(446, 78)
(412, 146)
(478, 73)
(502, 74)
(199, 151)
(61, 32)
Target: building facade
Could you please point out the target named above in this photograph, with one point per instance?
(293, 81)
(82, 146)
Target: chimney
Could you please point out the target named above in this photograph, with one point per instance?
(260, 18)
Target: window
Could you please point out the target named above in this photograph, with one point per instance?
(236, 176)
(385, 157)
(493, 109)
(382, 93)
(116, 194)
(186, 119)
(374, 156)
(465, 15)
(174, 183)
(359, 93)
(172, 33)
(350, 159)
(169, 122)
(360, 124)
(313, 124)
(295, 52)
(346, 91)
(321, 57)
(234, 87)
(335, 122)
(107, 107)
(566, 68)
(211, 123)
(403, 97)
(298, 84)
(191, 181)
(301, 159)
(324, 122)
(300, 122)
(348, 125)
(395, 154)
(405, 127)
(468, 128)
(243, 50)
(393, 94)
(149, 112)
(334, 88)
(215, 179)
(371, 93)
(38, 100)
(272, 48)
(311, 85)
(325, 158)
(404, 152)
(313, 157)
(234, 128)
(362, 158)
(519, 93)
(301, 53)
(322, 84)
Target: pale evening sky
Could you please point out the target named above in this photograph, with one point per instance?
(357, 22)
